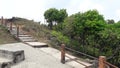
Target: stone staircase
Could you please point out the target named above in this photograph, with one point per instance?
(28, 39)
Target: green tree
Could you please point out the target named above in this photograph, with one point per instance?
(62, 15)
(110, 21)
(55, 15)
(83, 25)
(51, 15)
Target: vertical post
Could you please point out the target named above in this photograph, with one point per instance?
(101, 61)
(63, 53)
(5, 22)
(17, 31)
(10, 25)
(2, 20)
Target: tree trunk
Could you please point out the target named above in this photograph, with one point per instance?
(51, 25)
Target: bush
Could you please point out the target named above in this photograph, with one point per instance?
(60, 37)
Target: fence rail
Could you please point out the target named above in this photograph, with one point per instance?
(110, 65)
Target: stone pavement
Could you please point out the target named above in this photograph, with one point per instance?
(41, 57)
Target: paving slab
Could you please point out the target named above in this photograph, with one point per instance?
(37, 44)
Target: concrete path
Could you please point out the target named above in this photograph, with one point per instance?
(57, 54)
(35, 58)
(41, 57)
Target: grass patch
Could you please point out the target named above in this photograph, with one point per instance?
(5, 36)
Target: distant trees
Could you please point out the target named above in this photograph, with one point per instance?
(110, 21)
(54, 15)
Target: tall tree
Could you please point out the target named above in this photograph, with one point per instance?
(62, 15)
(55, 15)
(51, 15)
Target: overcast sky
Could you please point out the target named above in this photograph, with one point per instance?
(34, 9)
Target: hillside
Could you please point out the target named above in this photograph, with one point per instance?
(5, 37)
(103, 45)
(40, 32)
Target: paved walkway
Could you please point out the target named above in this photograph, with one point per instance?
(40, 57)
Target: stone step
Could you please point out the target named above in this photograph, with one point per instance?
(16, 55)
(37, 44)
(30, 37)
(5, 63)
(28, 40)
(24, 35)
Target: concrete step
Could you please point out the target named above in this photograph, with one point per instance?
(24, 35)
(5, 63)
(37, 44)
(16, 55)
(30, 37)
(28, 40)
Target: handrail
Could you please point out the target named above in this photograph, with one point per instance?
(109, 64)
(77, 61)
(81, 53)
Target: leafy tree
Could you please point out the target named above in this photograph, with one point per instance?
(51, 15)
(83, 25)
(62, 15)
(54, 15)
(110, 21)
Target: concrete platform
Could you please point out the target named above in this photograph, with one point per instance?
(37, 44)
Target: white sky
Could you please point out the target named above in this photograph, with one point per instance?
(34, 9)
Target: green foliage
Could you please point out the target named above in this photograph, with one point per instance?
(51, 14)
(110, 21)
(93, 34)
(60, 37)
(55, 15)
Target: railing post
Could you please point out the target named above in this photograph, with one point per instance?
(10, 25)
(2, 20)
(17, 31)
(5, 22)
(101, 62)
(63, 53)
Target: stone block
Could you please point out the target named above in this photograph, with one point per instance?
(15, 56)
